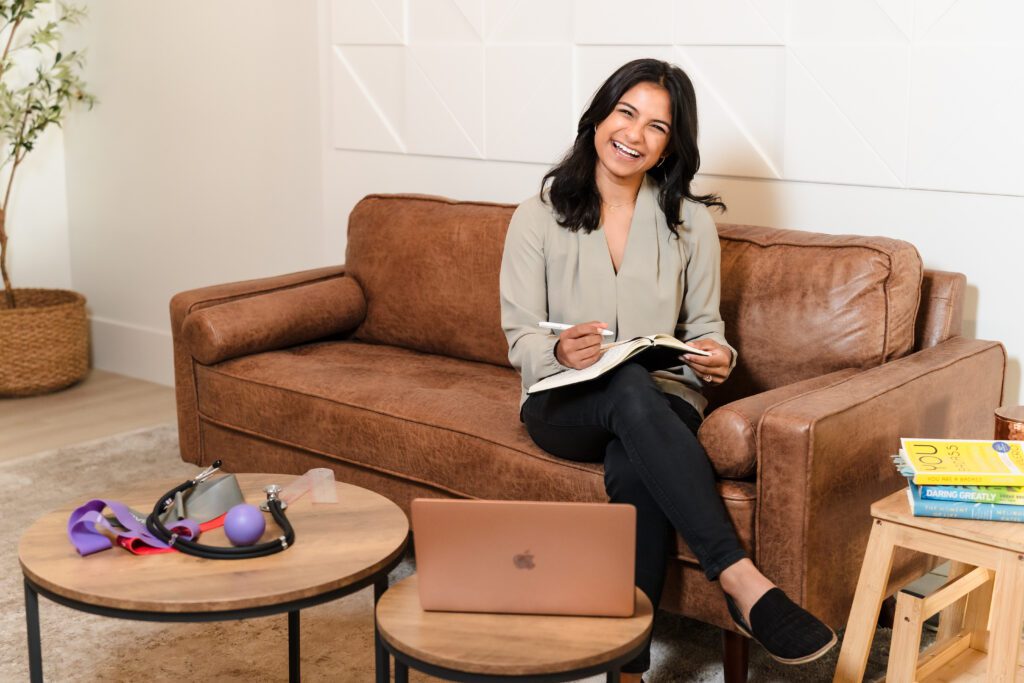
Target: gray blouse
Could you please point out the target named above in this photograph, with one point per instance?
(665, 285)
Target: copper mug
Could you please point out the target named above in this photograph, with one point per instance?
(1010, 423)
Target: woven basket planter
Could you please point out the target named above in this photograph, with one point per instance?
(44, 342)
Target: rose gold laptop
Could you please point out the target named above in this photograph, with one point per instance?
(525, 557)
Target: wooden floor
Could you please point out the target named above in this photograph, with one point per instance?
(102, 405)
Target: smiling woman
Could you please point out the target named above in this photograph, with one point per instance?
(644, 95)
(617, 237)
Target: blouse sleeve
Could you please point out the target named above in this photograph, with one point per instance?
(523, 288)
(700, 317)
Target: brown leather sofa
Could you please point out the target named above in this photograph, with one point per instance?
(392, 370)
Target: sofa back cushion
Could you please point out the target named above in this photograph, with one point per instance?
(799, 304)
(429, 267)
(796, 304)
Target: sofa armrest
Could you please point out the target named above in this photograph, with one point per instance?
(729, 434)
(824, 457)
(941, 315)
(189, 303)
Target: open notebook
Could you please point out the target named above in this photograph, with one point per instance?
(665, 350)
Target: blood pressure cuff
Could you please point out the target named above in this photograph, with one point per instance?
(206, 501)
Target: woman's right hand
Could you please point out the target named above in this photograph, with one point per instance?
(580, 346)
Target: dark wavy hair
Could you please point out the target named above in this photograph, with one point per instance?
(573, 190)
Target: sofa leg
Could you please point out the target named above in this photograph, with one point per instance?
(735, 656)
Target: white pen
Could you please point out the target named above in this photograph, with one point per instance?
(562, 326)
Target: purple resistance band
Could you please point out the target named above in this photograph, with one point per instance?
(85, 535)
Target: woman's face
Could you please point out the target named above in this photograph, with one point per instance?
(633, 138)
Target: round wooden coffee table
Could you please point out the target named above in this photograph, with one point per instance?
(339, 548)
(464, 646)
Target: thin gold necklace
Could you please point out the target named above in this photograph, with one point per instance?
(618, 206)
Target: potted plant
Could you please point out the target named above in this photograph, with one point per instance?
(44, 334)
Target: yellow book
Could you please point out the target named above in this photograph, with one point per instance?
(965, 462)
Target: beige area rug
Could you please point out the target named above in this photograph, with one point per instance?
(337, 638)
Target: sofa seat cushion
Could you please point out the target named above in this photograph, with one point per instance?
(448, 423)
(433, 419)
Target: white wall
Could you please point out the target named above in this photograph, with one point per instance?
(38, 254)
(200, 164)
(886, 117)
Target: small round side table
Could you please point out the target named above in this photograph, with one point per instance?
(464, 646)
(339, 549)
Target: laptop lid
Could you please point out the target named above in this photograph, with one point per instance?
(525, 557)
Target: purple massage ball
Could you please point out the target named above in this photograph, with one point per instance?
(244, 524)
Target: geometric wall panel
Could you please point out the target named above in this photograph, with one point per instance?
(617, 22)
(953, 89)
(902, 14)
(822, 144)
(426, 99)
(842, 21)
(595, 63)
(444, 108)
(367, 22)
(730, 22)
(528, 21)
(972, 21)
(740, 115)
(368, 95)
(473, 11)
(529, 106)
(869, 84)
(883, 93)
(444, 21)
(928, 14)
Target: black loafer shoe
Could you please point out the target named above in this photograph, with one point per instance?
(788, 632)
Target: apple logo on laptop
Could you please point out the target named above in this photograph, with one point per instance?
(523, 560)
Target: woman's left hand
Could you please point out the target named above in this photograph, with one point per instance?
(713, 369)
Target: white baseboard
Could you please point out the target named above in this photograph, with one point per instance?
(132, 350)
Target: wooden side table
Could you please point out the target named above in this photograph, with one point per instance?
(464, 646)
(982, 604)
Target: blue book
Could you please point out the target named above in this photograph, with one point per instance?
(952, 509)
(1004, 495)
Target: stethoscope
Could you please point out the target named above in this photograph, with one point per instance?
(274, 505)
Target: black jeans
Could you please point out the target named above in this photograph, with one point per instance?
(652, 460)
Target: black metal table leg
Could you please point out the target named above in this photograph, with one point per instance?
(35, 650)
(614, 676)
(401, 672)
(294, 660)
(382, 660)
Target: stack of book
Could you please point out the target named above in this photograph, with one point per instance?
(964, 479)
